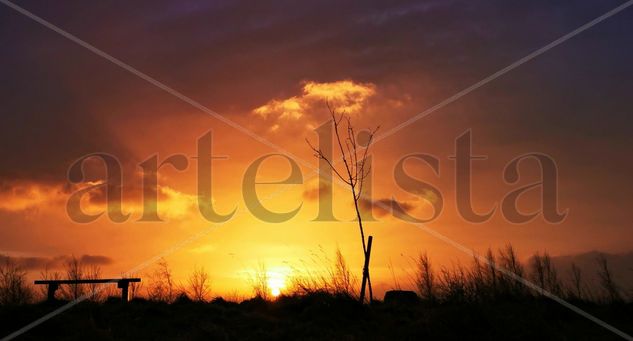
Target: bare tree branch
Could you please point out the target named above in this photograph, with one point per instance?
(354, 167)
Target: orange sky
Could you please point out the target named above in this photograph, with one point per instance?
(545, 106)
(234, 249)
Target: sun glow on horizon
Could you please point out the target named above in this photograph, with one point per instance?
(276, 281)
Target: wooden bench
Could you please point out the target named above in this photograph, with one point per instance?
(122, 283)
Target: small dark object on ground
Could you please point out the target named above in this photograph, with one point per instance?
(401, 297)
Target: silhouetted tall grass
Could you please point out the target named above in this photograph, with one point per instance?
(324, 274)
(488, 280)
(259, 282)
(476, 301)
(479, 281)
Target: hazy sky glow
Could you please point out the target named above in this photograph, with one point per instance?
(271, 70)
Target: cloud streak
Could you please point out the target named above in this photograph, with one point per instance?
(395, 207)
(23, 196)
(37, 263)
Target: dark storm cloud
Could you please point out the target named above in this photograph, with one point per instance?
(46, 127)
(59, 101)
(49, 96)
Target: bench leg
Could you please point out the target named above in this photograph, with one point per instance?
(124, 290)
(52, 287)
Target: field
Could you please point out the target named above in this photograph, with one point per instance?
(317, 316)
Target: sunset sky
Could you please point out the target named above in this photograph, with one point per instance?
(270, 68)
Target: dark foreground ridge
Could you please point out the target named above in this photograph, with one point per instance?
(316, 316)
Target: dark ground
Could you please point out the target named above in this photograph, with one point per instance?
(316, 317)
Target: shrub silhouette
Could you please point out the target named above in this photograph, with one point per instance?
(14, 289)
(199, 287)
(476, 301)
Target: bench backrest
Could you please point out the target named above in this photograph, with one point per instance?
(87, 281)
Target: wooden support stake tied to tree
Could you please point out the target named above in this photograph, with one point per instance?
(354, 157)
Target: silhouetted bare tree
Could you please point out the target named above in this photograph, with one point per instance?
(161, 287)
(576, 290)
(74, 271)
(199, 286)
(608, 284)
(544, 274)
(95, 289)
(13, 287)
(353, 172)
